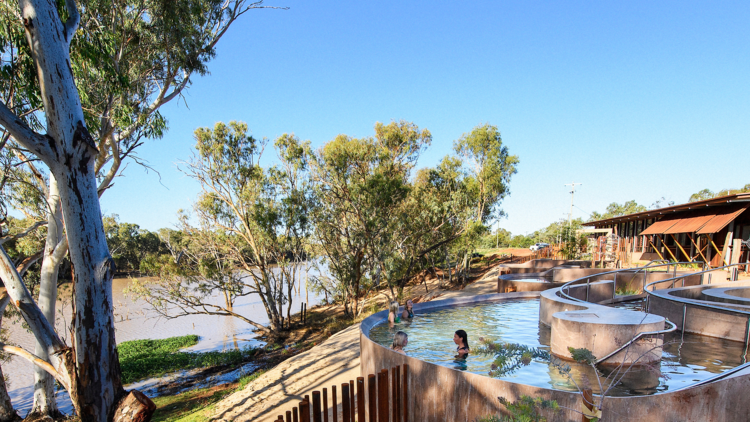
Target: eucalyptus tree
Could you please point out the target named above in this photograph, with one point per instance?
(361, 186)
(252, 233)
(490, 167)
(133, 57)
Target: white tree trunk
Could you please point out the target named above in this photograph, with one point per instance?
(68, 150)
(54, 251)
(7, 413)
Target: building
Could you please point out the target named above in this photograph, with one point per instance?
(715, 231)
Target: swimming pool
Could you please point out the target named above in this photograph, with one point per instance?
(685, 360)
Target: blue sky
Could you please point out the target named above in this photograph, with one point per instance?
(636, 100)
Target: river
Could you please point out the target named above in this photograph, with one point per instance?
(136, 320)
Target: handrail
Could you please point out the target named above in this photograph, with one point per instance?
(717, 377)
(634, 339)
(676, 299)
(566, 287)
(691, 301)
(641, 334)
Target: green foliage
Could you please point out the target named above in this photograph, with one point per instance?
(141, 359)
(616, 210)
(130, 245)
(527, 409)
(708, 194)
(582, 355)
(252, 234)
(362, 206)
(491, 167)
(627, 292)
(247, 379)
(509, 357)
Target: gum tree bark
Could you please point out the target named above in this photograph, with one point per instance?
(7, 413)
(55, 249)
(90, 371)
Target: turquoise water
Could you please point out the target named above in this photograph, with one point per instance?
(684, 361)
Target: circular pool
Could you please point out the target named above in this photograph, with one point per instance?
(685, 359)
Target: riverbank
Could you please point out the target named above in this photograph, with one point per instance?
(321, 353)
(333, 362)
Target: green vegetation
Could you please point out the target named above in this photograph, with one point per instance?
(509, 357)
(141, 359)
(197, 405)
(627, 291)
(615, 210)
(708, 194)
(526, 409)
(192, 406)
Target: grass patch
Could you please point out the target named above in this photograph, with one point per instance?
(141, 359)
(192, 406)
(627, 292)
(197, 405)
(247, 379)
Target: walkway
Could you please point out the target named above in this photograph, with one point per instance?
(333, 362)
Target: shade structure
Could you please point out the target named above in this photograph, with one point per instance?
(689, 224)
(720, 221)
(659, 227)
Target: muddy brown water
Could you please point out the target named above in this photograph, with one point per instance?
(134, 319)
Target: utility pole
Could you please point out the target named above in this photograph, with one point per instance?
(497, 234)
(572, 194)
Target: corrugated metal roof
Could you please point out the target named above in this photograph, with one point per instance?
(720, 221)
(659, 227)
(697, 205)
(690, 224)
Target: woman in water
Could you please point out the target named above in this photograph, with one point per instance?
(393, 317)
(400, 340)
(462, 340)
(408, 310)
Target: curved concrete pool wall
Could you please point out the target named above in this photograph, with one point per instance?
(703, 321)
(439, 393)
(600, 329)
(735, 295)
(558, 275)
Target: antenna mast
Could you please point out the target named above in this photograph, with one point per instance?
(572, 195)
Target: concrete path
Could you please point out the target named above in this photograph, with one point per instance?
(333, 362)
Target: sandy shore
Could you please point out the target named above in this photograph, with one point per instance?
(333, 362)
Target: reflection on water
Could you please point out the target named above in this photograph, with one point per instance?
(135, 320)
(684, 360)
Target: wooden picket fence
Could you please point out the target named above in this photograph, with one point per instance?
(382, 405)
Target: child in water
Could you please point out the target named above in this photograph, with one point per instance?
(393, 317)
(400, 340)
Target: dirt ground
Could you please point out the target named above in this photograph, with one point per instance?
(333, 362)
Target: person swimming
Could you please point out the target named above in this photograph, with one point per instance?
(462, 340)
(400, 340)
(408, 310)
(393, 317)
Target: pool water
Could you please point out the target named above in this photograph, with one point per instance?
(685, 360)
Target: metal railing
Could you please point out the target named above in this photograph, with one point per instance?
(695, 303)
(638, 336)
(565, 288)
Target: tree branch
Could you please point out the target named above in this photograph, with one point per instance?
(13, 350)
(22, 234)
(41, 145)
(74, 18)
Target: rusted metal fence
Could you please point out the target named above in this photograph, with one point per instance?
(381, 400)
